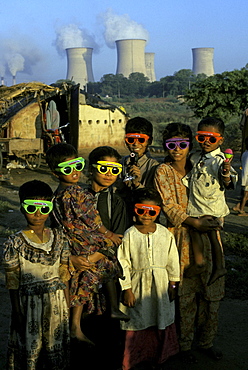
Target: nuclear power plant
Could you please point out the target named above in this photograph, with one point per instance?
(150, 68)
(130, 56)
(203, 61)
(79, 65)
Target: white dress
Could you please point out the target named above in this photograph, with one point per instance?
(149, 262)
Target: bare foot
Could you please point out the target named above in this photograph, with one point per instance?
(118, 315)
(79, 335)
(237, 207)
(242, 213)
(216, 275)
(194, 270)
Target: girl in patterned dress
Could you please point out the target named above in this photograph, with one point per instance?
(36, 262)
(93, 246)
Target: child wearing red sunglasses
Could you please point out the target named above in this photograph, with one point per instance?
(210, 176)
(138, 167)
(150, 261)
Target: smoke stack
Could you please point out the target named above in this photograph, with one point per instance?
(130, 56)
(203, 61)
(150, 70)
(79, 65)
(14, 80)
(2, 81)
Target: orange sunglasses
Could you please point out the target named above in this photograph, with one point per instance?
(140, 209)
(133, 138)
(211, 137)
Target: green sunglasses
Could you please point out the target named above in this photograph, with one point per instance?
(33, 205)
(74, 164)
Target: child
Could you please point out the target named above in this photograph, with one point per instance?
(138, 167)
(240, 207)
(75, 209)
(149, 258)
(104, 167)
(36, 261)
(210, 175)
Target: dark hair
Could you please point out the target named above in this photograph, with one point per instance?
(35, 189)
(177, 129)
(212, 121)
(59, 153)
(100, 152)
(147, 194)
(139, 125)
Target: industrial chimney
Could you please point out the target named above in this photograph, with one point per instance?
(203, 61)
(130, 56)
(79, 65)
(150, 70)
(2, 81)
(14, 80)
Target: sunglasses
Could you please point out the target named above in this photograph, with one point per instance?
(211, 137)
(171, 144)
(32, 205)
(74, 164)
(104, 167)
(133, 138)
(142, 209)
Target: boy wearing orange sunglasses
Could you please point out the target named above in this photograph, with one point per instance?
(138, 168)
(210, 176)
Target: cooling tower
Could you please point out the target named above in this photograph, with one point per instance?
(203, 61)
(150, 70)
(79, 65)
(130, 56)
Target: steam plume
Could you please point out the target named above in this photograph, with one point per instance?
(118, 27)
(71, 36)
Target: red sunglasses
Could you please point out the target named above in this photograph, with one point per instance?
(133, 138)
(140, 209)
(211, 137)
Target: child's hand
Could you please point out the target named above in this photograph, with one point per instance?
(226, 167)
(128, 298)
(80, 263)
(116, 239)
(172, 291)
(135, 172)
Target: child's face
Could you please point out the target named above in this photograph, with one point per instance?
(101, 181)
(72, 178)
(179, 153)
(36, 219)
(207, 146)
(138, 147)
(146, 219)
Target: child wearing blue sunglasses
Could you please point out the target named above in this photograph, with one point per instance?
(93, 246)
(36, 261)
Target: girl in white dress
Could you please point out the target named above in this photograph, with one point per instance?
(150, 262)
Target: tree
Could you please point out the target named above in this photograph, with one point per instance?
(221, 95)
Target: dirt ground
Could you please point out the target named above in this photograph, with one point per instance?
(232, 337)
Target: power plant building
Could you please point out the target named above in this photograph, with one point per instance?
(150, 69)
(203, 61)
(79, 65)
(130, 56)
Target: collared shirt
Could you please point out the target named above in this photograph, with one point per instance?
(206, 190)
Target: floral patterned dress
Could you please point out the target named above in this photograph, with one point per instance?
(75, 210)
(38, 270)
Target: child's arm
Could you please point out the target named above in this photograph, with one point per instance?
(115, 238)
(18, 318)
(172, 290)
(128, 298)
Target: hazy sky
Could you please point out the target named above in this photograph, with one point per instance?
(34, 33)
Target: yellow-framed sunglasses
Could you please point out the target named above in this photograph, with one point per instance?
(104, 167)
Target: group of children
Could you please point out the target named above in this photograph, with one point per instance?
(104, 235)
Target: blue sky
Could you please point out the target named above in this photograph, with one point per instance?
(32, 34)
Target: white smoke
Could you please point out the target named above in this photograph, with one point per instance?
(71, 36)
(118, 27)
(19, 55)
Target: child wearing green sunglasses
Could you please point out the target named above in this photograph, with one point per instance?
(36, 261)
(93, 246)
